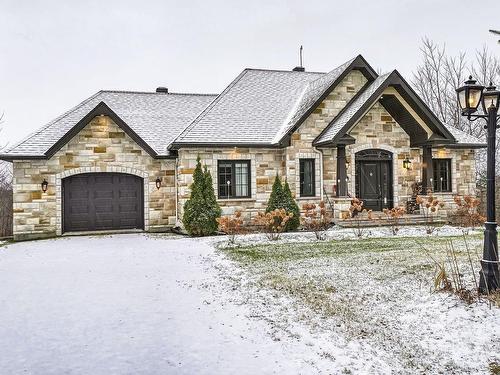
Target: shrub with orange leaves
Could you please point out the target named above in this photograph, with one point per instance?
(273, 223)
(316, 219)
(394, 216)
(355, 212)
(466, 214)
(429, 206)
(231, 225)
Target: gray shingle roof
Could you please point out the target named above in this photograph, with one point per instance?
(156, 117)
(252, 109)
(464, 138)
(310, 94)
(341, 120)
(338, 123)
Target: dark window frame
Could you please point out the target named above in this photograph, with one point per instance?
(301, 177)
(222, 187)
(442, 168)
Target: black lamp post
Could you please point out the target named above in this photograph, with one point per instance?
(469, 98)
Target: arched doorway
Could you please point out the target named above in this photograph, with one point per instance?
(374, 179)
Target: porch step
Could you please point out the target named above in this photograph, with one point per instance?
(383, 221)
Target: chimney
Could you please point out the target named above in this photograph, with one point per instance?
(162, 90)
(299, 68)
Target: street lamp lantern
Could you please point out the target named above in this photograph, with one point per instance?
(469, 96)
(491, 98)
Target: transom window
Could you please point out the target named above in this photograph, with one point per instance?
(307, 178)
(442, 175)
(233, 178)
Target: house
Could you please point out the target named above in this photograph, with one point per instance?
(124, 160)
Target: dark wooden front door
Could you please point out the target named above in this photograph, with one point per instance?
(374, 179)
(102, 201)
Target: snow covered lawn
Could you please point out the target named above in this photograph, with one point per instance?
(368, 304)
(149, 304)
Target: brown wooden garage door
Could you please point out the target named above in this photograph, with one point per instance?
(102, 201)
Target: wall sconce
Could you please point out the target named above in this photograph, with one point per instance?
(158, 183)
(45, 185)
(407, 163)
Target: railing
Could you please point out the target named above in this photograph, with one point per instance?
(328, 201)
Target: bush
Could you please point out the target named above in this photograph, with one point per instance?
(316, 219)
(5, 199)
(273, 223)
(231, 225)
(394, 216)
(429, 207)
(466, 214)
(281, 198)
(201, 210)
(355, 211)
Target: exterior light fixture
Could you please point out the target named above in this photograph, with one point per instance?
(469, 96)
(407, 163)
(45, 185)
(158, 183)
(491, 98)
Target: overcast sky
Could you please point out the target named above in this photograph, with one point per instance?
(54, 54)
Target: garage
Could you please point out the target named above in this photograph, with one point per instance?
(102, 201)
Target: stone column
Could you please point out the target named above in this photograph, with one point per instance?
(427, 169)
(341, 172)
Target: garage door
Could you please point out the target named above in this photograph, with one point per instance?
(102, 201)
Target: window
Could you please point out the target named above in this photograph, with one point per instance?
(307, 178)
(234, 178)
(442, 175)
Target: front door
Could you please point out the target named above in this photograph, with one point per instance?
(374, 179)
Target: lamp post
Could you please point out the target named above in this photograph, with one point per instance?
(469, 97)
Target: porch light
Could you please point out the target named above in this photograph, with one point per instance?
(407, 163)
(158, 183)
(45, 185)
(469, 96)
(491, 97)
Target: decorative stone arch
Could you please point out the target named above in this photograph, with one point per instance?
(395, 169)
(109, 169)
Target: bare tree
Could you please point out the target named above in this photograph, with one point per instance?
(440, 74)
(5, 194)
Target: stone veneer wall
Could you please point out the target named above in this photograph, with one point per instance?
(101, 146)
(378, 129)
(302, 139)
(463, 175)
(264, 165)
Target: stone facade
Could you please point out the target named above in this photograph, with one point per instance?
(265, 164)
(301, 142)
(101, 146)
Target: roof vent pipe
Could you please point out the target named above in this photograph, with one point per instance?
(162, 90)
(300, 68)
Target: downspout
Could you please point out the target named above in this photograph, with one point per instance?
(176, 194)
(322, 188)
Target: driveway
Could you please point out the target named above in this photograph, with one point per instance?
(129, 304)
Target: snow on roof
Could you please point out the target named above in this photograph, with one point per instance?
(464, 138)
(252, 109)
(156, 117)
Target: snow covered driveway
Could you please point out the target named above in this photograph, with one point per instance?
(129, 304)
